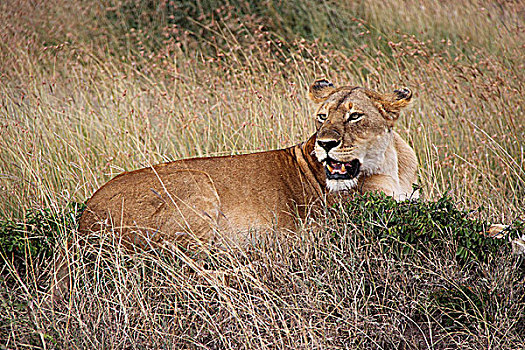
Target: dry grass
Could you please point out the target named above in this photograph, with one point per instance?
(83, 97)
(337, 287)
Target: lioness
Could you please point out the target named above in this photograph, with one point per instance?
(354, 149)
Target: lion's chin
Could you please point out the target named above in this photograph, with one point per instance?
(341, 185)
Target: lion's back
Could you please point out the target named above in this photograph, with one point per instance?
(179, 199)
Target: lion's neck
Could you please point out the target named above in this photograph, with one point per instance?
(382, 158)
(309, 165)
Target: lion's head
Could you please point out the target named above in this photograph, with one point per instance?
(354, 131)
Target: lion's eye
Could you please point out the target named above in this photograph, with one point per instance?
(321, 117)
(354, 116)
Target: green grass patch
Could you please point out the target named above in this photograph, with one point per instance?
(403, 228)
(37, 233)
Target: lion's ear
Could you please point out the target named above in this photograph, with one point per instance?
(394, 102)
(403, 97)
(320, 90)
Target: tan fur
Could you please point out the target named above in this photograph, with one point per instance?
(191, 200)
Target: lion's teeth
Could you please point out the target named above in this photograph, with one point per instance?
(343, 169)
(329, 168)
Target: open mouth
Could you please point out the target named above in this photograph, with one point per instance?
(341, 171)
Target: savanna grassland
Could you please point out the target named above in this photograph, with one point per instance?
(91, 89)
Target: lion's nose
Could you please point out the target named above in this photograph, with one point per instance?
(328, 144)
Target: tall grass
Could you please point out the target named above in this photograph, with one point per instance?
(74, 114)
(90, 90)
